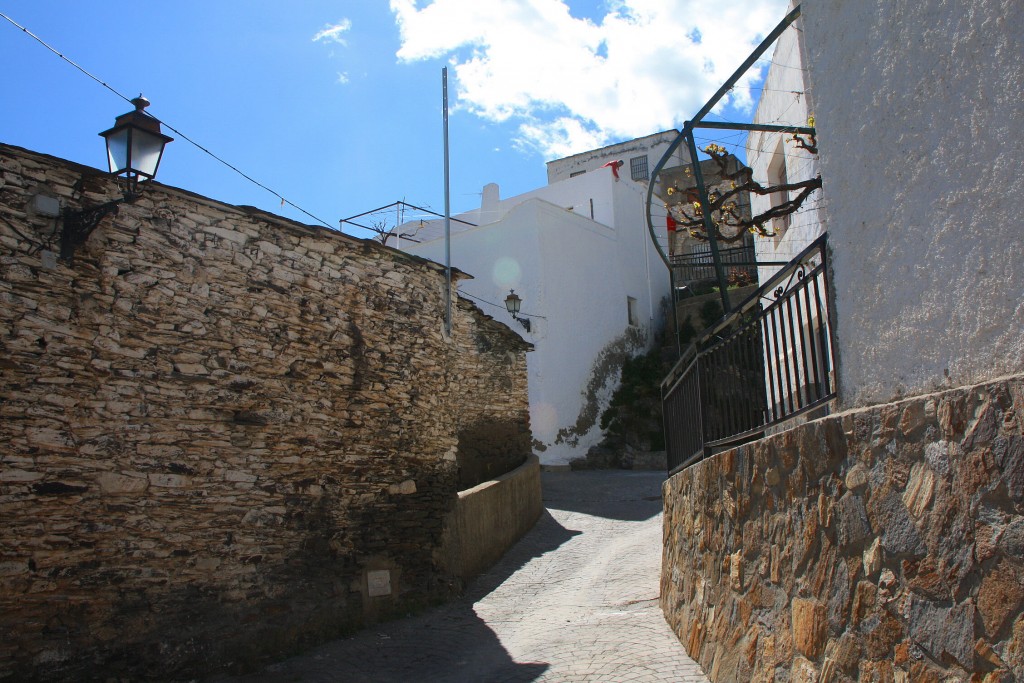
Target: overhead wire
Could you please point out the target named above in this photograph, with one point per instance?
(180, 134)
(491, 303)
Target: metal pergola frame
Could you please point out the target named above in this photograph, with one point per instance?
(686, 135)
(402, 204)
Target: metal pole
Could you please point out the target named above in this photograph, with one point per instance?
(709, 226)
(447, 212)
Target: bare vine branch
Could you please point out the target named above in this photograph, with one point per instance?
(729, 223)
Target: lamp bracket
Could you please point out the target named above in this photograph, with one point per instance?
(79, 224)
(525, 322)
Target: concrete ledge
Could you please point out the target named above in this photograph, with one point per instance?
(488, 519)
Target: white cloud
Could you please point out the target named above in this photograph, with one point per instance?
(574, 84)
(342, 78)
(333, 33)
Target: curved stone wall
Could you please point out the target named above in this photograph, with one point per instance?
(883, 544)
(225, 434)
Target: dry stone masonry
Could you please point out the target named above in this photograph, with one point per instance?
(881, 544)
(223, 434)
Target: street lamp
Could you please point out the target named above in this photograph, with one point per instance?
(512, 303)
(134, 147)
(135, 144)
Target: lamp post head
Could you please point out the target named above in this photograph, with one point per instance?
(134, 147)
(513, 302)
(135, 144)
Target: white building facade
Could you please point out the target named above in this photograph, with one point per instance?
(592, 286)
(638, 157)
(776, 159)
(921, 132)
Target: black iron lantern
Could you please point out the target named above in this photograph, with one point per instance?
(513, 302)
(135, 144)
(134, 147)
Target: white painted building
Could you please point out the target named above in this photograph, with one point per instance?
(921, 132)
(775, 159)
(638, 157)
(592, 286)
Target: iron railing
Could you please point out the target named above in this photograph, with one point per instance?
(700, 265)
(766, 362)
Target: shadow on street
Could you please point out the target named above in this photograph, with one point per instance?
(627, 495)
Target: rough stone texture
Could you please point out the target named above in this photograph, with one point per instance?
(217, 417)
(917, 573)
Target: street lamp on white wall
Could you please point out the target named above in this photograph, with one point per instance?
(135, 146)
(512, 303)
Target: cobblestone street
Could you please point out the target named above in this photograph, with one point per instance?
(575, 600)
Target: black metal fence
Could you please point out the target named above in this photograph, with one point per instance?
(766, 362)
(699, 265)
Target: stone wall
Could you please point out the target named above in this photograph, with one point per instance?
(225, 434)
(882, 544)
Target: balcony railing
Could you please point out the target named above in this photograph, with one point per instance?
(699, 265)
(768, 361)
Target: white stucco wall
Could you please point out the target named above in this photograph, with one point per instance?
(784, 100)
(652, 146)
(574, 275)
(586, 195)
(921, 131)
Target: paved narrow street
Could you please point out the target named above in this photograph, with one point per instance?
(575, 600)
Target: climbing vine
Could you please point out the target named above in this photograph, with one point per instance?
(726, 217)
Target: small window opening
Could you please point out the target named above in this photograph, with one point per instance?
(777, 175)
(638, 168)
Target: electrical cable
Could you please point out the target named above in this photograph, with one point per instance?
(169, 126)
(527, 315)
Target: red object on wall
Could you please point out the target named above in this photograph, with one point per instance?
(614, 165)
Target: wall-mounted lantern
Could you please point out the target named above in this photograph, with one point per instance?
(512, 303)
(135, 146)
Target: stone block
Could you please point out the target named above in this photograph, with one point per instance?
(912, 418)
(852, 526)
(897, 531)
(112, 483)
(856, 477)
(1001, 596)
(872, 558)
(880, 640)
(809, 627)
(803, 671)
(16, 476)
(1013, 468)
(736, 571)
(405, 488)
(918, 494)
(943, 631)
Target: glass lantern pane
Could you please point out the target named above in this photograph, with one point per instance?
(117, 150)
(146, 149)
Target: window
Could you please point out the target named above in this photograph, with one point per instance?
(638, 168)
(777, 175)
(634, 318)
(576, 173)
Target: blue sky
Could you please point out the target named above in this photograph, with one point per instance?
(336, 105)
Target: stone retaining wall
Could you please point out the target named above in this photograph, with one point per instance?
(224, 434)
(882, 544)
